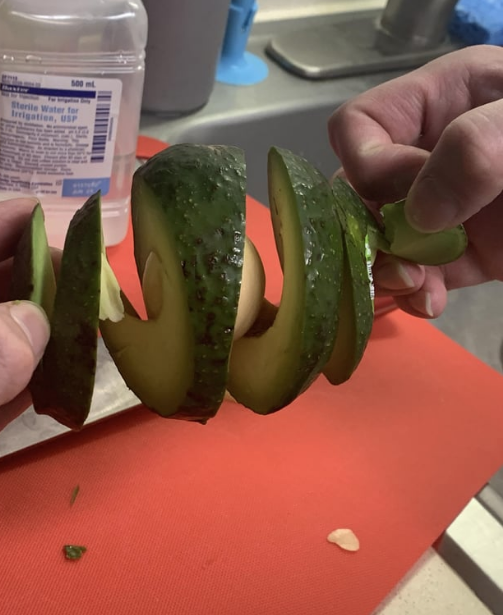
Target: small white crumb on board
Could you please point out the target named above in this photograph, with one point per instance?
(345, 539)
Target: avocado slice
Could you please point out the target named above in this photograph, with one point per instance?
(286, 349)
(406, 242)
(33, 277)
(63, 383)
(357, 297)
(364, 235)
(188, 213)
(69, 363)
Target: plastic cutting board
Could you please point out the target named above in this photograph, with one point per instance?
(232, 518)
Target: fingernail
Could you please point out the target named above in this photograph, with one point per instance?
(427, 209)
(393, 276)
(421, 301)
(340, 173)
(34, 323)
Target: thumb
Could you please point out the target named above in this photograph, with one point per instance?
(463, 173)
(24, 333)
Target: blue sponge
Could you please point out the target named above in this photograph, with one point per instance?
(477, 22)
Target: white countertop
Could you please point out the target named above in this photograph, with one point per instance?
(432, 588)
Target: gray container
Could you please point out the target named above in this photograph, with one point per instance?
(184, 42)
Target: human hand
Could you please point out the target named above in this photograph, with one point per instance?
(24, 328)
(434, 137)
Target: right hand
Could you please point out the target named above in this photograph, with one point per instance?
(24, 328)
(434, 136)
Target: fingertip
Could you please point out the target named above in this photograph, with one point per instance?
(430, 300)
(394, 276)
(340, 173)
(24, 332)
(422, 301)
(428, 208)
(33, 321)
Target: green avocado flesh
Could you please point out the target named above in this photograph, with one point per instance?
(357, 307)
(188, 211)
(405, 242)
(33, 276)
(270, 368)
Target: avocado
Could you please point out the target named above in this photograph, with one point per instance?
(402, 240)
(357, 297)
(286, 349)
(365, 235)
(69, 362)
(188, 213)
(209, 327)
(33, 277)
(252, 290)
(62, 385)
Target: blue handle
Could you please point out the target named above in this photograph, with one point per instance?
(238, 66)
(246, 5)
(239, 24)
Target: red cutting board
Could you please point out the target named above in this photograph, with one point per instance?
(232, 517)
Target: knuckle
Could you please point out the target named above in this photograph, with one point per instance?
(466, 140)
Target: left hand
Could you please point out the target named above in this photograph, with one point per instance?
(24, 328)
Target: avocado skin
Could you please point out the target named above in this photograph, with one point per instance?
(357, 308)
(64, 386)
(322, 240)
(201, 192)
(286, 349)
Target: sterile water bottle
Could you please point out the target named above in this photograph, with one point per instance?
(71, 83)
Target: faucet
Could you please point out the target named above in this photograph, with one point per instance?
(409, 25)
(403, 35)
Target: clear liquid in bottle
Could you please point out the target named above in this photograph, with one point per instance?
(71, 83)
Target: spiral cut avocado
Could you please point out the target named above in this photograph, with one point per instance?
(189, 229)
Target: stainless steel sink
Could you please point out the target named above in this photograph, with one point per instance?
(284, 110)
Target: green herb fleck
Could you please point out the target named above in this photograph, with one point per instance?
(74, 552)
(74, 495)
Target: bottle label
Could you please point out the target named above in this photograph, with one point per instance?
(57, 133)
(368, 258)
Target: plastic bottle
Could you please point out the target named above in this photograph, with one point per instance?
(71, 84)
